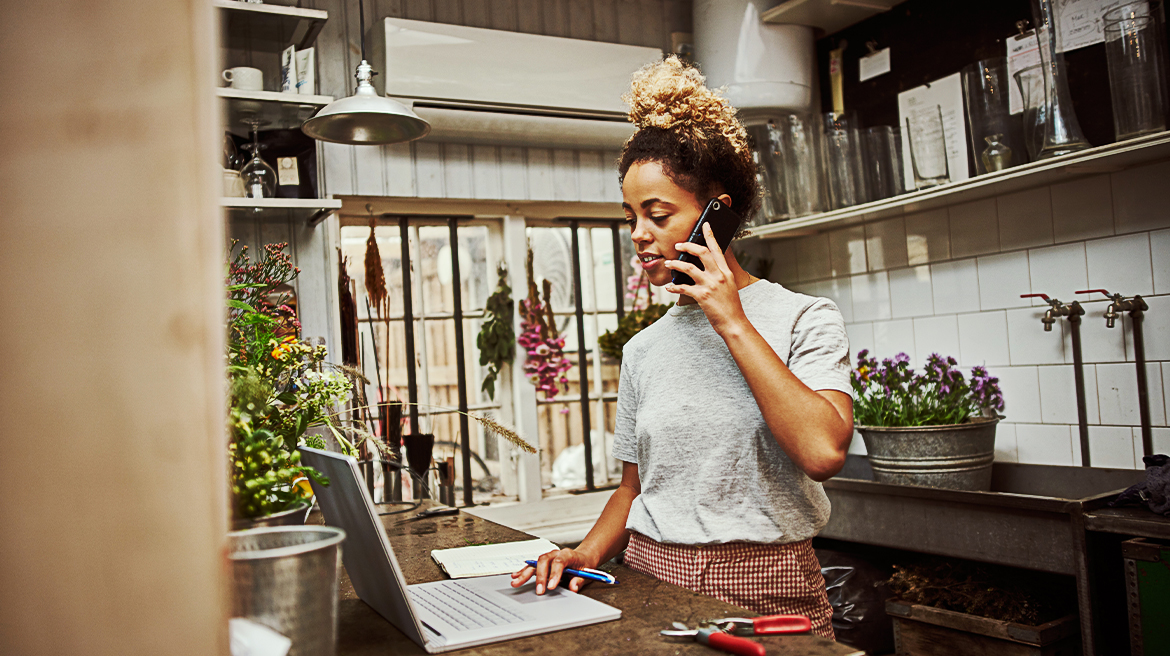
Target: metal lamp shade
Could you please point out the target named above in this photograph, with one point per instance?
(366, 118)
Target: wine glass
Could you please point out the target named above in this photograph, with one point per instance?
(259, 177)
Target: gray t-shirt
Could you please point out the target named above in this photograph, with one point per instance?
(710, 470)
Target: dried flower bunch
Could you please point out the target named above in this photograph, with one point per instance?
(892, 394)
(280, 385)
(546, 363)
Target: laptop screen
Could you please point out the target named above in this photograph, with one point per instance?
(366, 552)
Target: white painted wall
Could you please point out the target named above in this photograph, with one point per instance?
(948, 279)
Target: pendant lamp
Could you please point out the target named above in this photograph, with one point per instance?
(365, 118)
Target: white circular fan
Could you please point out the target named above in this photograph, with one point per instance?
(552, 260)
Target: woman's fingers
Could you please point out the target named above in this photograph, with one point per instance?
(577, 583)
(713, 249)
(521, 577)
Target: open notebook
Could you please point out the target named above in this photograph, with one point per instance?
(488, 559)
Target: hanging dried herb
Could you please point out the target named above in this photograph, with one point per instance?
(349, 322)
(375, 277)
(497, 339)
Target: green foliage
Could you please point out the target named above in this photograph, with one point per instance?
(265, 476)
(612, 342)
(497, 339)
(279, 385)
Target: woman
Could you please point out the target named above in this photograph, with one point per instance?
(733, 406)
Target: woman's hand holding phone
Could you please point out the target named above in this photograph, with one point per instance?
(715, 289)
(549, 568)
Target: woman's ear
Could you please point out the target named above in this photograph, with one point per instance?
(725, 199)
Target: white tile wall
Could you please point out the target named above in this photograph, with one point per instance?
(1058, 271)
(885, 244)
(928, 238)
(1058, 395)
(1082, 209)
(1112, 446)
(1121, 264)
(1160, 251)
(983, 339)
(1141, 198)
(1021, 393)
(974, 228)
(1025, 219)
(1029, 343)
(1045, 444)
(871, 296)
(955, 286)
(1005, 442)
(936, 335)
(893, 337)
(847, 251)
(947, 279)
(910, 292)
(1002, 279)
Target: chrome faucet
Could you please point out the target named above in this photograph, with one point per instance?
(1056, 309)
(1136, 307)
(1120, 304)
(1073, 311)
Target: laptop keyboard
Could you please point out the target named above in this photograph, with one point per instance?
(463, 607)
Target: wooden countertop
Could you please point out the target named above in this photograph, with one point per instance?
(647, 605)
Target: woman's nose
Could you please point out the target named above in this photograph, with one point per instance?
(639, 233)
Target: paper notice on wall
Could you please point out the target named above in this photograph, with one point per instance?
(1080, 22)
(1022, 51)
(875, 64)
(946, 95)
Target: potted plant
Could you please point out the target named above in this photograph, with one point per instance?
(932, 428)
(641, 315)
(279, 387)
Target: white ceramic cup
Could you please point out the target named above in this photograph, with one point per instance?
(244, 78)
(233, 184)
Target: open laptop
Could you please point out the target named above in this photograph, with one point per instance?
(442, 615)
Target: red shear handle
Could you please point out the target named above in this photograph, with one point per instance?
(775, 624)
(729, 643)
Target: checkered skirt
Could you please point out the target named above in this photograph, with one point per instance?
(770, 579)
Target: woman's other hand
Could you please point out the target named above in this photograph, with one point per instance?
(549, 568)
(715, 288)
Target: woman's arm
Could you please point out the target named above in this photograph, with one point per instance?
(813, 427)
(607, 537)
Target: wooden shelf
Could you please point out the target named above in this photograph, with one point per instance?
(311, 210)
(1102, 159)
(828, 15)
(277, 110)
(297, 26)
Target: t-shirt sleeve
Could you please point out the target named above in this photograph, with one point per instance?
(820, 348)
(625, 442)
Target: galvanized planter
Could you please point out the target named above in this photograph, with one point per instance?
(954, 456)
(295, 516)
(285, 577)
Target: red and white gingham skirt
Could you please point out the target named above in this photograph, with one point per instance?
(770, 579)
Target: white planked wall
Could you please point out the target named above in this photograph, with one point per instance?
(433, 170)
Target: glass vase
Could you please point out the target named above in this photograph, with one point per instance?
(1062, 132)
(985, 93)
(1134, 51)
(997, 156)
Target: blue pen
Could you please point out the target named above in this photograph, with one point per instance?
(591, 574)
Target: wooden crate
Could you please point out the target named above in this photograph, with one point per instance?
(928, 631)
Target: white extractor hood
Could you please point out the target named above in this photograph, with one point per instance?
(476, 85)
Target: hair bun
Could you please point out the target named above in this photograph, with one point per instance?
(672, 95)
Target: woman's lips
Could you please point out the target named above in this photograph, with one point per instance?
(650, 261)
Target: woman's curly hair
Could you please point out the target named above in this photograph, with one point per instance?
(693, 132)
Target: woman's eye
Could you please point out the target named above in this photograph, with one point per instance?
(659, 217)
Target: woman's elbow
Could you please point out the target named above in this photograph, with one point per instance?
(826, 466)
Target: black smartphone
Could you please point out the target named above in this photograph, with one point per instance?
(724, 223)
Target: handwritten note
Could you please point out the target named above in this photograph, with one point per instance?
(489, 559)
(1080, 22)
(946, 94)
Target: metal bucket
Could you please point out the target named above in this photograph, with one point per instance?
(295, 516)
(285, 577)
(955, 457)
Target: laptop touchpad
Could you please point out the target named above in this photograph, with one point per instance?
(526, 594)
